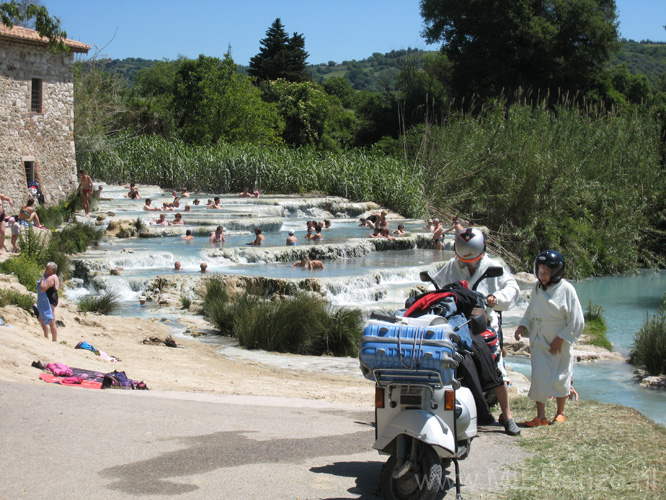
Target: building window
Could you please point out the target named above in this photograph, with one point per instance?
(36, 95)
(29, 171)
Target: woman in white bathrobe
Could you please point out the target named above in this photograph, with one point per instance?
(554, 321)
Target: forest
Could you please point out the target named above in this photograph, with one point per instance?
(546, 141)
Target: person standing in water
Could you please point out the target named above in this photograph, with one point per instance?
(86, 191)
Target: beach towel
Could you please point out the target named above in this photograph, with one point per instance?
(86, 384)
(43, 305)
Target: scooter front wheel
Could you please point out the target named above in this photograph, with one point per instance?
(421, 482)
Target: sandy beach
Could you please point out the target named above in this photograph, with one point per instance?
(194, 366)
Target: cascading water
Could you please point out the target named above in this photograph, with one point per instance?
(360, 272)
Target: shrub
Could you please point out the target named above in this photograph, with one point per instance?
(185, 302)
(217, 306)
(25, 269)
(303, 324)
(34, 245)
(649, 347)
(106, 303)
(12, 297)
(76, 238)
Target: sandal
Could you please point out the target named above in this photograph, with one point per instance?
(559, 418)
(536, 422)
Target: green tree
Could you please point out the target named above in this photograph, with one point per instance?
(151, 98)
(213, 102)
(422, 82)
(99, 108)
(304, 108)
(500, 46)
(280, 56)
(341, 88)
(14, 12)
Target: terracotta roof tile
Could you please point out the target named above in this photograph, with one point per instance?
(27, 35)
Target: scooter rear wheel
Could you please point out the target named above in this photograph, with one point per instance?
(421, 483)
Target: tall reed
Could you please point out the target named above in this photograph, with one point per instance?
(226, 168)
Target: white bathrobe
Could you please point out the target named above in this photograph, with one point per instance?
(552, 313)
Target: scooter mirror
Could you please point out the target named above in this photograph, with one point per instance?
(493, 272)
(424, 276)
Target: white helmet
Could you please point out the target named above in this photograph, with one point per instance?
(470, 245)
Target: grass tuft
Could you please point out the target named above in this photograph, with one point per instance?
(107, 303)
(595, 327)
(649, 346)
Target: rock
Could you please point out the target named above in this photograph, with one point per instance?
(101, 217)
(116, 271)
(654, 382)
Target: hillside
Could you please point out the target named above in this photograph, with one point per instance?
(379, 72)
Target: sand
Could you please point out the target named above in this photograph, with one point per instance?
(196, 365)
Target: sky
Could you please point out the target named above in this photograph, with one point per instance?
(334, 30)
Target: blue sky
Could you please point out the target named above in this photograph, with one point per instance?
(334, 30)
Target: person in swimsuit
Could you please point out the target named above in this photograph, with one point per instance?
(400, 231)
(438, 235)
(3, 198)
(291, 240)
(27, 216)
(47, 300)
(217, 236)
(86, 191)
(259, 237)
(215, 204)
(178, 219)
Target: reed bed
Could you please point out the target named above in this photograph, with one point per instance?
(588, 182)
(227, 168)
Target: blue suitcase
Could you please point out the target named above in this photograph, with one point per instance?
(400, 353)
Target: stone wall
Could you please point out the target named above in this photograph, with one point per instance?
(45, 138)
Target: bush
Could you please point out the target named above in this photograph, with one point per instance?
(34, 245)
(25, 269)
(185, 302)
(649, 346)
(106, 303)
(12, 297)
(303, 324)
(76, 238)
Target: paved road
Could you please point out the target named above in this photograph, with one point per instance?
(65, 442)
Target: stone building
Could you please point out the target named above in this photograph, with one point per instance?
(36, 116)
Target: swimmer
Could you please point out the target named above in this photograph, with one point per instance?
(188, 235)
(217, 236)
(177, 266)
(259, 237)
(291, 240)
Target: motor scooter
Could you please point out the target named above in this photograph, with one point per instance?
(425, 420)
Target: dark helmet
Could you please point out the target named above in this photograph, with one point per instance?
(470, 244)
(552, 259)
